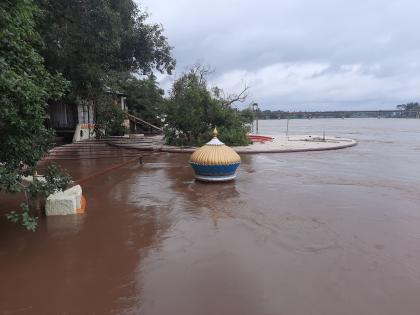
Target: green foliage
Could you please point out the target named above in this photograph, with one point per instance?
(27, 220)
(409, 106)
(24, 218)
(56, 179)
(13, 216)
(193, 110)
(9, 179)
(109, 118)
(92, 41)
(145, 99)
(233, 136)
(25, 86)
(247, 116)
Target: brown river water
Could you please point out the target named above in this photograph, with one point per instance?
(334, 232)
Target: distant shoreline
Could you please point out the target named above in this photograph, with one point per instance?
(397, 113)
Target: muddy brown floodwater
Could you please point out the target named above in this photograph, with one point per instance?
(303, 233)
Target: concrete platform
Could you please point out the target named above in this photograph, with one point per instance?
(282, 144)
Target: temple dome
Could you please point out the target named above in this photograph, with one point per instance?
(215, 161)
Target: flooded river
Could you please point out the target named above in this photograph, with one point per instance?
(335, 232)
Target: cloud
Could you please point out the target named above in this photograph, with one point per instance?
(300, 54)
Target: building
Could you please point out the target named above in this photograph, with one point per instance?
(66, 118)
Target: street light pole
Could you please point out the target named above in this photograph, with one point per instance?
(255, 109)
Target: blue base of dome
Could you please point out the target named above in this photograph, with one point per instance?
(214, 170)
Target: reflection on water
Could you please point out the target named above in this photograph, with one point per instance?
(302, 233)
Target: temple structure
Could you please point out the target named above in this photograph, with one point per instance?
(215, 161)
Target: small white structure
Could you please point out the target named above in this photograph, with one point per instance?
(84, 132)
(64, 202)
(29, 179)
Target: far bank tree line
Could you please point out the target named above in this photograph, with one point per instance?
(407, 110)
(409, 106)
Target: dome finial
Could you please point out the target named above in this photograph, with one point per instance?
(215, 132)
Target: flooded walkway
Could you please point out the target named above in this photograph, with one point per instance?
(335, 232)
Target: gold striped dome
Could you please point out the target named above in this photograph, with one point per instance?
(215, 152)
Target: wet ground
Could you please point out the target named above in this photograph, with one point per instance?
(333, 232)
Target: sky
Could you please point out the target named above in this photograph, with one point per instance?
(299, 54)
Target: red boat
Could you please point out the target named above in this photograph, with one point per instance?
(262, 139)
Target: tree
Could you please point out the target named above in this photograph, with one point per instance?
(25, 87)
(145, 98)
(409, 106)
(93, 41)
(109, 118)
(193, 110)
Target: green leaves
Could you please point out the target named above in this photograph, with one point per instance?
(27, 220)
(56, 179)
(109, 118)
(24, 218)
(97, 39)
(25, 88)
(145, 99)
(193, 110)
(13, 216)
(9, 180)
(409, 106)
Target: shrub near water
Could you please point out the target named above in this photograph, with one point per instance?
(193, 110)
(233, 136)
(25, 88)
(56, 179)
(109, 118)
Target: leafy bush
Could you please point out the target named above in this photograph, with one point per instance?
(25, 88)
(193, 110)
(144, 99)
(56, 179)
(109, 118)
(35, 192)
(233, 137)
(24, 218)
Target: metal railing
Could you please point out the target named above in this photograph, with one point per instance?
(140, 121)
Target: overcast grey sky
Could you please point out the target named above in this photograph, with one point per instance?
(300, 54)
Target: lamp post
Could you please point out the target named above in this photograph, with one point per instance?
(255, 108)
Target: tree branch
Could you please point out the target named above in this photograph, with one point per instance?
(241, 97)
